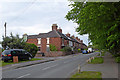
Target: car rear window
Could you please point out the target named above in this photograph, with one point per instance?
(6, 52)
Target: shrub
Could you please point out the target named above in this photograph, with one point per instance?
(75, 49)
(53, 47)
(116, 55)
(79, 50)
(2, 50)
(62, 50)
(67, 50)
(31, 48)
(117, 59)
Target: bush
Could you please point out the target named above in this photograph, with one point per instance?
(116, 55)
(31, 48)
(53, 47)
(117, 59)
(75, 49)
(79, 50)
(2, 50)
(67, 50)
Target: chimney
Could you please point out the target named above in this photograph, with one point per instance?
(54, 27)
(81, 41)
(68, 35)
(77, 38)
(60, 30)
(73, 36)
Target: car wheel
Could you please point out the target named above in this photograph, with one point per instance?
(29, 58)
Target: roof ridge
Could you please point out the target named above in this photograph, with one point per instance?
(57, 33)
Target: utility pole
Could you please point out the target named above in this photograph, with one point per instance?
(5, 28)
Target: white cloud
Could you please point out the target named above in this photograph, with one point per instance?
(37, 18)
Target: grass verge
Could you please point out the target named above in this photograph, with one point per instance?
(2, 63)
(87, 75)
(97, 60)
(102, 54)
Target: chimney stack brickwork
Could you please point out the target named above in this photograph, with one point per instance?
(54, 27)
(60, 30)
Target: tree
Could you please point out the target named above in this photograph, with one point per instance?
(15, 42)
(12, 42)
(31, 48)
(101, 20)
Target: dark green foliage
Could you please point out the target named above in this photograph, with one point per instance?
(75, 50)
(117, 59)
(101, 20)
(67, 50)
(53, 47)
(14, 42)
(31, 48)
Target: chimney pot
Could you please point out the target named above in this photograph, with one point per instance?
(68, 35)
(81, 41)
(60, 30)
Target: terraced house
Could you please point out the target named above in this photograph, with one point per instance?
(54, 37)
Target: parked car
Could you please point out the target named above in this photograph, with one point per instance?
(90, 50)
(84, 51)
(21, 53)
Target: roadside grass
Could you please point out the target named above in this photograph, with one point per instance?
(97, 60)
(2, 63)
(97, 51)
(102, 54)
(87, 75)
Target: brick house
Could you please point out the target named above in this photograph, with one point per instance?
(54, 37)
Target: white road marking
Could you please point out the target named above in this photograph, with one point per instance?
(49, 67)
(23, 76)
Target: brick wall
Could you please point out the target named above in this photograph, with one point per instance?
(57, 42)
(33, 41)
(43, 44)
(54, 54)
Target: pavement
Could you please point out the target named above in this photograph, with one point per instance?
(61, 68)
(109, 68)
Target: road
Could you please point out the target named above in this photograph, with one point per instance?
(54, 69)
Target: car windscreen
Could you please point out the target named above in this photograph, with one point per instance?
(6, 52)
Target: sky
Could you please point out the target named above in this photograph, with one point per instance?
(36, 16)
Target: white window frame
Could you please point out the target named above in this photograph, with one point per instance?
(48, 40)
(39, 40)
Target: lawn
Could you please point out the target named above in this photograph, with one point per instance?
(10, 62)
(87, 75)
(97, 60)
